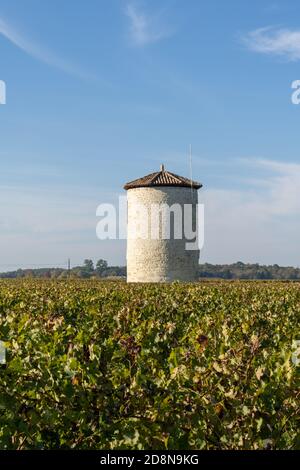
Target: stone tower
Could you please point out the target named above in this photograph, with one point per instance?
(156, 240)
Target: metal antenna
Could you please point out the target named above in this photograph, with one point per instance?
(191, 171)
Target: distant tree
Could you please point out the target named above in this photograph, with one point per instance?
(101, 267)
(227, 274)
(88, 265)
(85, 271)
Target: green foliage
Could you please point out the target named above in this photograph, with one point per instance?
(106, 365)
(88, 265)
(241, 270)
(86, 271)
(101, 267)
(237, 270)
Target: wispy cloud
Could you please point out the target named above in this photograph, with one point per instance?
(145, 28)
(258, 222)
(282, 187)
(34, 50)
(275, 41)
(64, 223)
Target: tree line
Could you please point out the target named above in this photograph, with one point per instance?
(241, 270)
(101, 269)
(87, 270)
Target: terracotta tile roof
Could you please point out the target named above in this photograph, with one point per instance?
(162, 178)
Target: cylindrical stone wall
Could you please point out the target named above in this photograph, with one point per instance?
(151, 259)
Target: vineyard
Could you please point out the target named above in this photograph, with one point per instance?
(106, 365)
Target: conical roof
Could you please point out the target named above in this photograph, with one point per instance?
(162, 178)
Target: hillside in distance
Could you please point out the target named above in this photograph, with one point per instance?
(101, 269)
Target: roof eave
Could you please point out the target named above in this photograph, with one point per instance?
(194, 186)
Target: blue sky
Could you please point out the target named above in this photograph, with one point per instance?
(101, 92)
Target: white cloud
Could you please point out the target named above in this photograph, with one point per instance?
(280, 187)
(254, 222)
(39, 226)
(144, 28)
(36, 51)
(260, 223)
(270, 40)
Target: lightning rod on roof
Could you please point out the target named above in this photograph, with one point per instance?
(191, 171)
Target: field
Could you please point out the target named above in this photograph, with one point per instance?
(105, 365)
